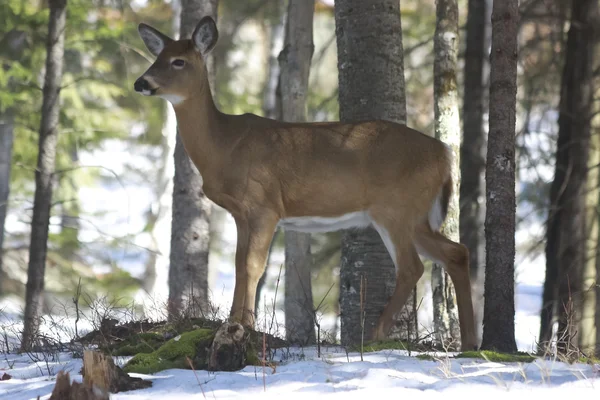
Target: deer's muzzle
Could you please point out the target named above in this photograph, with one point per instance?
(142, 86)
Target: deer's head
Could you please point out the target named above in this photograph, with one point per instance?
(180, 64)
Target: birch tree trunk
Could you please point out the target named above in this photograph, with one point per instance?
(447, 129)
(472, 150)
(44, 174)
(371, 86)
(190, 224)
(566, 236)
(499, 306)
(294, 61)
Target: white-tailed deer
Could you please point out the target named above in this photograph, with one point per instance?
(311, 177)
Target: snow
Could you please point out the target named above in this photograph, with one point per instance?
(335, 375)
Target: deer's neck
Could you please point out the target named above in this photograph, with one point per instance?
(199, 123)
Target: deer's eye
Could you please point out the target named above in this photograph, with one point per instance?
(178, 63)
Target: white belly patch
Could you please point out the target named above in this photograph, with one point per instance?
(359, 219)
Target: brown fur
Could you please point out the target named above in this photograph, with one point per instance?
(262, 170)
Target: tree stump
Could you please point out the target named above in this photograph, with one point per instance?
(228, 350)
(101, 372)
(64, 390)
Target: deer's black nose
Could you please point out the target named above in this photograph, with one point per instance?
(141, 84)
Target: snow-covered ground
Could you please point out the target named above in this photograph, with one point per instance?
(335, 375)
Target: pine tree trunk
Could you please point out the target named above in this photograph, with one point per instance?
(371, 86)
(44, 174)
(472, 151)
(294, 61)
(447, 129)
(587, 328)
(566, 236)
(499, 306)
(276, 38)
(190, 225)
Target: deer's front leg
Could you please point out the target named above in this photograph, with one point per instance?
(254, 239)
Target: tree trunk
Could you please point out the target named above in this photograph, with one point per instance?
(294, 60)
(371, 86)
(565, 248)
(44, 174)
(587, 328)
(472, 151)
(499, 306)
(447, 129)
(276, 37)
(190, 225)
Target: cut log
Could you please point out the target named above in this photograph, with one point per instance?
(228, 350)
(100, 371)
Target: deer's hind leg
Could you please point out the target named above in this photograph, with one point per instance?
(397, 237)
(455, 259)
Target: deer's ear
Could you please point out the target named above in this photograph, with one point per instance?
(205, 35)
(153, 39)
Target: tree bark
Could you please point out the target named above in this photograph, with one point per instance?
(586, 327)
(190, 225)
(294, 61)
(565, 248)
(44, 174)
(499, 306)
(447, 129)
(371, 86)
(472, 151)
(276, 37)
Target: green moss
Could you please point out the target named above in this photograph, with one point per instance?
(145, 363)
(140, 343)
(382, 345)
(426, 357)
(172, 354)
(589, 360)
(496, 356)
